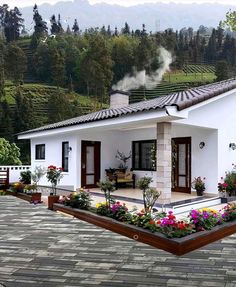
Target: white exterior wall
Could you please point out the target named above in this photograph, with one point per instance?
(53, 156)
(110, 142)
(203, 161)
(221, 115)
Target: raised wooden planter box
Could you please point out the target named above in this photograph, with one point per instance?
(177, 246)
(34, 197)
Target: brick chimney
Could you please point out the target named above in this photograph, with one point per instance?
(119, 99)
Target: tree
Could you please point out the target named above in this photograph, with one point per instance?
(9, 153)
(40, 27)
(15, 62)
(59, 107)
(56, 27)
(95, 67)
(6, 129)
(12, 24)
(211, 51)
(75, 27)
(123, 49)
(2, 71)
(230, 21)
(24, 113)
(57, 61)
(126, 29)
(41, 62)
(222, 71)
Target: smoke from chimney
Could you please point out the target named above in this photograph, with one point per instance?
(140, 78)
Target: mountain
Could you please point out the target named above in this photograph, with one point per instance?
(156, 17)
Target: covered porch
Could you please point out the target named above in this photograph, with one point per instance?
(182, 152)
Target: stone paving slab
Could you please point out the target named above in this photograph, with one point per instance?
(39, 247)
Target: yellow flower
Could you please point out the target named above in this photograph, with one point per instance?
(207, 209)
(100, 204)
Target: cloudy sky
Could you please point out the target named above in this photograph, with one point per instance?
(22, 3)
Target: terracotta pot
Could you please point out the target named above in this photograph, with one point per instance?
(51, 200)
(36, 197)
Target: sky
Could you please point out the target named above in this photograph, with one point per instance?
(23, 3)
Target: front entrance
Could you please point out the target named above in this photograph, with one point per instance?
(90, 163)
(181, 165)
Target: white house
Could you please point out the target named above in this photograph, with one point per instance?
(194, 133)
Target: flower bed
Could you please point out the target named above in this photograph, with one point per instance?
(159, 229)
(177, 246)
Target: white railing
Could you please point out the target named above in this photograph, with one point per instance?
(15, 170)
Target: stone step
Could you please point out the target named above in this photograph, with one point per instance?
(186, 207)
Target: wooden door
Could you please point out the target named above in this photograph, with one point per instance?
(181, 165)
(90, 163)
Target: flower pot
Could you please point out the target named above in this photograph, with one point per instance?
(51, 200)
(36, 197)
(199, 192)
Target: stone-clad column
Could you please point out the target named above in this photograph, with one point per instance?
(164, 161)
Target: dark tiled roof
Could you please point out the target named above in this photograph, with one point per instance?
(181, 100)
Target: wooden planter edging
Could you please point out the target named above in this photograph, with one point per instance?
(177, 246)
(30, 198)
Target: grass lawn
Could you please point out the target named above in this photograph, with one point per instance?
(182, 77)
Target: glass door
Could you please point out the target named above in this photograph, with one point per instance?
(90, 164)
(181, 165)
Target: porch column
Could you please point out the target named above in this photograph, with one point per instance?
(164, 161)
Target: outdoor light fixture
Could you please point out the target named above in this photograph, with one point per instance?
(201, 145)
(232, 146)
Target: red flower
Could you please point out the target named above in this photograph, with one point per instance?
(158, 221)
(225, 184)
(151, 221)
(171, 216)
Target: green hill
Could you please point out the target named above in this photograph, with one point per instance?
(40, 94)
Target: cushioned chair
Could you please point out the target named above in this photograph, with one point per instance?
(121, 178)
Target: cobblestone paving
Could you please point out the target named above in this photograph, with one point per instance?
(42, 248)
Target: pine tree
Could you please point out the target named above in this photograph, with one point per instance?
(40, 27)
(126, 29)
(55, 28)
(6, 129)
(57, 66)
(15, 62)
(59, 107)
(12, 24)
(25, 118)
(222, 71)
(2, 72)
(75, 27)
(68, 30)
(60, 29)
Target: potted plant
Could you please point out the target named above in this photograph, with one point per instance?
(54, 175)
(199, 185)
(123, 159)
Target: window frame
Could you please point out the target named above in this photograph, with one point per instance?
(140, 142)
(64, 156)
(37, 146)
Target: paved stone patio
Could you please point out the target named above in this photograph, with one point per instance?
(39, 247)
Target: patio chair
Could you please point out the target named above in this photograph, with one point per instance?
(120, 177)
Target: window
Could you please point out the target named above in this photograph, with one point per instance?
(40, 151)
(144, 155)
(65, 156)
